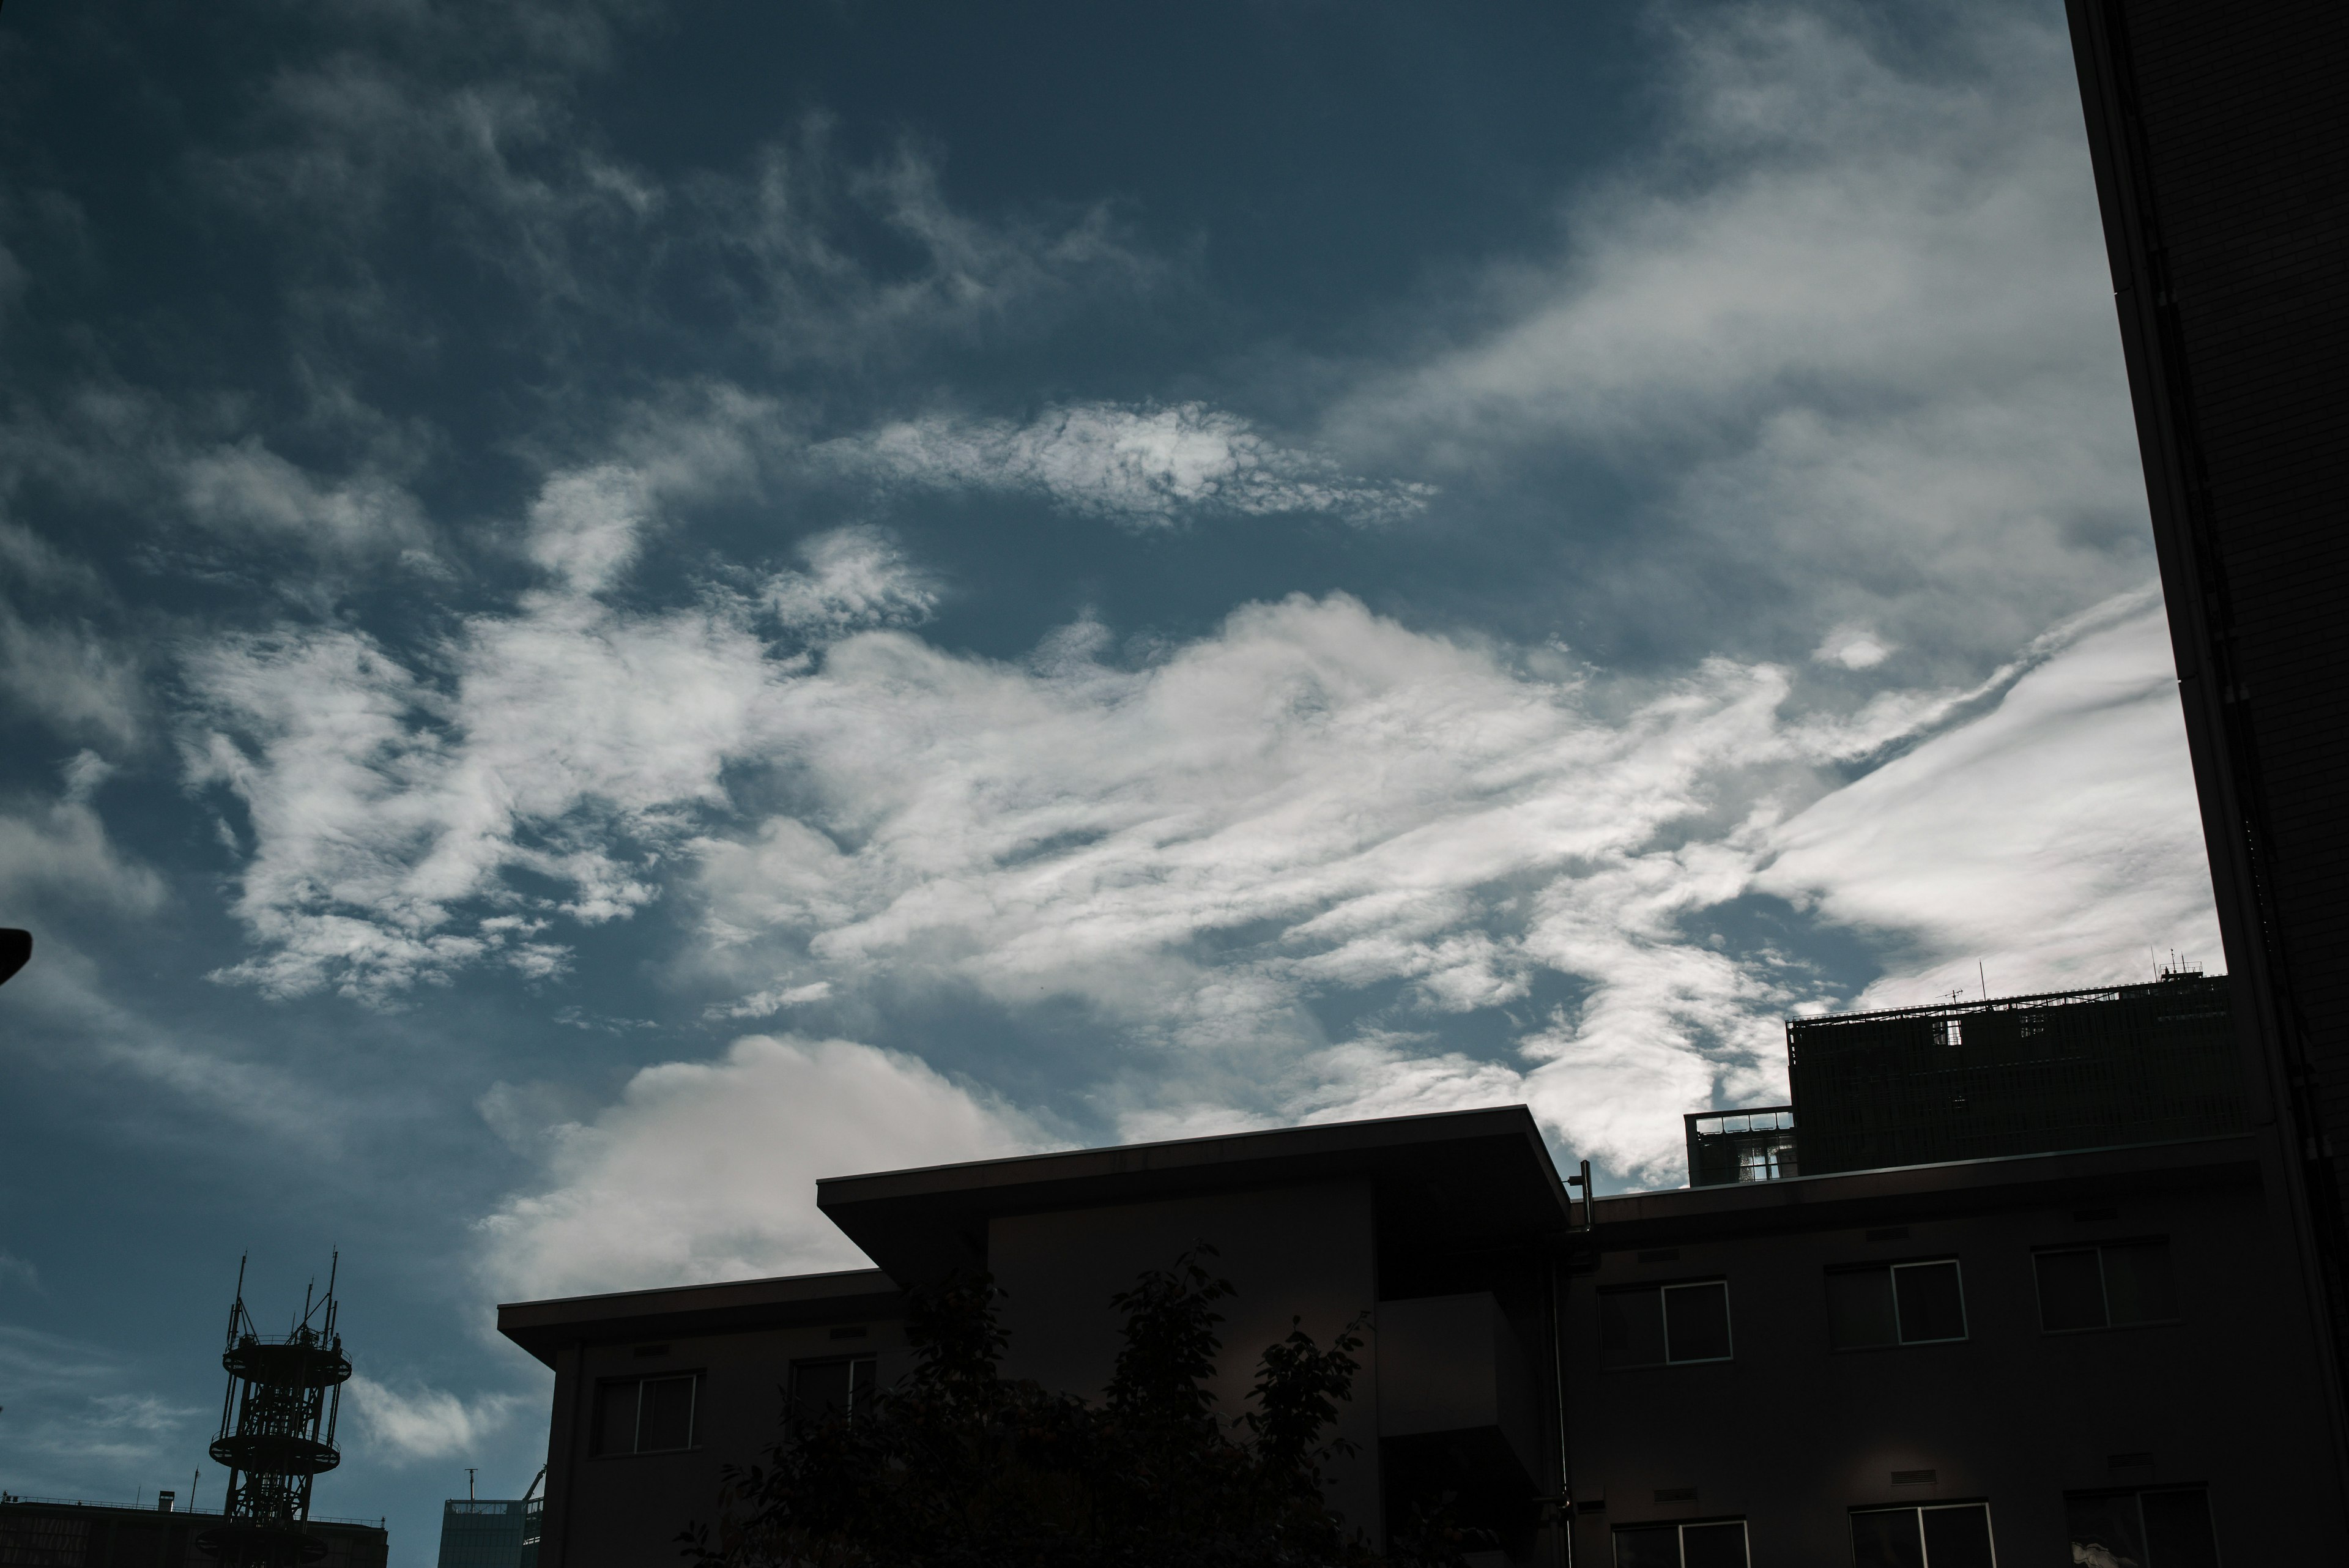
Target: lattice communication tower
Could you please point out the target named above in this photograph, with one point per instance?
(277, 1432)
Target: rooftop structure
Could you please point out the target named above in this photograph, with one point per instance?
(1755, 1144)
(2016, 1074)
(1975, 1080)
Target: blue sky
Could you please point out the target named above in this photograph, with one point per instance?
(604, 611)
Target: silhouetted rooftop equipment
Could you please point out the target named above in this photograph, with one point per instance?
(2018, 1075)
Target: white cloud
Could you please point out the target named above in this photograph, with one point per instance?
(1854, 648)
(567, 739)
(1851, 327)
(57, 852)
(1312, 801)
(245, 488)
(1143, 466)
(773, 999)
(706, 1171)
(2054, 841)
(68, 674)
(855, 578)
(425, 1423)
(587, 526)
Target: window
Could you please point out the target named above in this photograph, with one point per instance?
(2168, 1528)
(1650, 1326)
(644, 1415)
(1717, 1544)
(2109, 1286)
(1895, 1303)
(1937, 1535)
(839, 1387)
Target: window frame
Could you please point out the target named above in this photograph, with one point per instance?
(1663, 1323)
(852, 1360)
(692, 1377)
(1890, 1269)
(2104, 1284)
(1924, 1553)
(1680, 1528)
(2137, 1496)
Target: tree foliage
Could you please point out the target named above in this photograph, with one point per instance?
(958, 1467)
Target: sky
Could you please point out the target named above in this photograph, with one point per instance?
(606, 609)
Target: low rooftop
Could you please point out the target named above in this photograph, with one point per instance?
(1455, 1180)
(545, 1327)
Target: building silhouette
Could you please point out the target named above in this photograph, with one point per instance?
(2220, 139)
(55, 1532)
(2082, 1340)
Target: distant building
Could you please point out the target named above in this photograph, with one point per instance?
(481, 1532)
(2030, 1355)
(51, 1532)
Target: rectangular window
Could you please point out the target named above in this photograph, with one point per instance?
(2165, 1527)
(1653, 1326)
(2111, 1285)
(1716, 1543)
(1895, 1303)
(1935, 1535)
(838, 1387)
(644, 1415)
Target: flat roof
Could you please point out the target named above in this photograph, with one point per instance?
(1453, 1180)
(728, 1306)
(2185, 985)
(1856, 1198)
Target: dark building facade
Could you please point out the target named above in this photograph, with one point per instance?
(50, 1532)
(1445, 1229)
(1937, 1366)
(2220, 139)
(1999, 1351)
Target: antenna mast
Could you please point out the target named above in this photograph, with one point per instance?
(277, 1432)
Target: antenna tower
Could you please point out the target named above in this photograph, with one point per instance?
(277, 1432)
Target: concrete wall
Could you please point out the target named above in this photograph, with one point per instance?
(1305, 1252)
(626, 1509)
(1791, 1435)
(1453, 1364)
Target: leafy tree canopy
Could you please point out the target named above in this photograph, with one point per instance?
(958, 1467)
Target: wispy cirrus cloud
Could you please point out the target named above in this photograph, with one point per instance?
(1142, 466)
(2070, 806)
(407, 1423)
(76, 1408)
(1845, 329)
(1205, 851)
